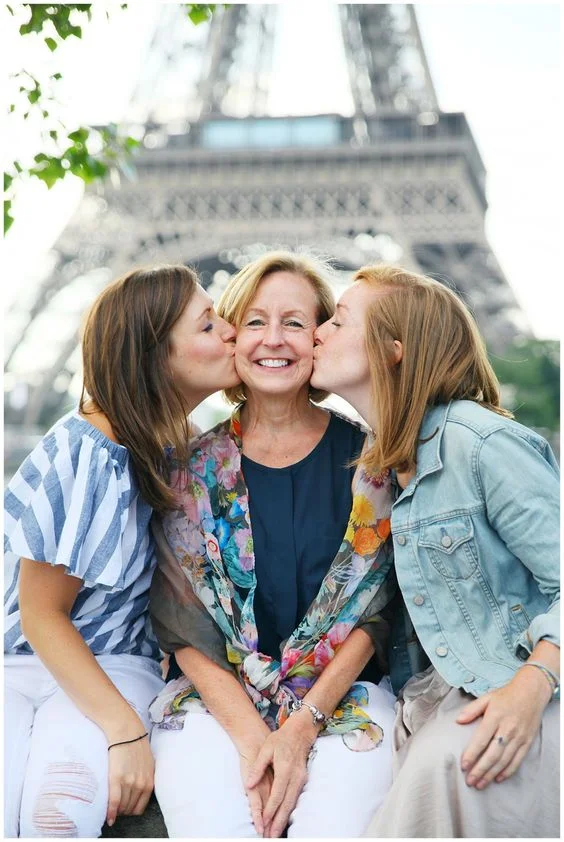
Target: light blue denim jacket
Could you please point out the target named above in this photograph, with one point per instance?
(476, 543)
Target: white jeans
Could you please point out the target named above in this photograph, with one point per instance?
(56, 759)
(200, 792)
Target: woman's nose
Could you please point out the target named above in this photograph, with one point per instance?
(273, 335)
(228, 332)
(317, 335)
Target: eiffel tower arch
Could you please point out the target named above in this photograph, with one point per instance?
(219, 179)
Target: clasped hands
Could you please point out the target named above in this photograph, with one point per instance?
(275, 772)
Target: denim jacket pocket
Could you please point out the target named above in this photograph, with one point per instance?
(450, 547)
(520, 617)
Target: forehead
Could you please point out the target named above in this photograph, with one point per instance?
(285, 290)
(199, 300)
(358, 297)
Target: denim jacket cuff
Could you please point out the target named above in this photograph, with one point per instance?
(543, 627)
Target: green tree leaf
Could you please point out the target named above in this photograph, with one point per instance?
(200, 12)
(8, 218)
(79, 136)
(76, 159)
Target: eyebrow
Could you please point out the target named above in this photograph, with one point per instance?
(285, 313)
(205, 312)
(341, 307)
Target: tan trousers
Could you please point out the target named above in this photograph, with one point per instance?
(429, 798)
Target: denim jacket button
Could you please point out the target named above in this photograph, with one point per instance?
(446, 541)
(441, 651)
(468, 679)
(401, 540)
(418, 599)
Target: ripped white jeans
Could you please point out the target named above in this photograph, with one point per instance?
(55, 758)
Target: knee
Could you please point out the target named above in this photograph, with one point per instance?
(67, 803)
(438, 745)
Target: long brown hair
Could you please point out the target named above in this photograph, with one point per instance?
(243, 287)
(444, 358)
(125, 353)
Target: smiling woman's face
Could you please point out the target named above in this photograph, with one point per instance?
(274, 350)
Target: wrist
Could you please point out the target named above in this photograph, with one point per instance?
(302, 722)
(535, 682)
(250, 743)
(547, 680)
(126, 728)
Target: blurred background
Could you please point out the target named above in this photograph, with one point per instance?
(420, 134)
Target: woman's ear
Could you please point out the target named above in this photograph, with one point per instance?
(397, 352)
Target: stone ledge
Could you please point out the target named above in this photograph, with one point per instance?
(148, 826)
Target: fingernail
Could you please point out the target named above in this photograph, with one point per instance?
(110, 822)
(471, 780)
(464, 765)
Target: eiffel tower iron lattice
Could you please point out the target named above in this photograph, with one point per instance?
(220, 180)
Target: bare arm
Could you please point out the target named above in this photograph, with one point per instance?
(227, 701)
(340, 673)
(46, 596)
(286, 750)
(225, 698)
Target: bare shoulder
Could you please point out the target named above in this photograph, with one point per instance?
(99, 420)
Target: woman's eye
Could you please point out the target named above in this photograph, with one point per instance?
(335, 323)
(255, 323)
(208, 328)
(293, 323)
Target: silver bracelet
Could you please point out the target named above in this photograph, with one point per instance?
(550, 676)
(319, 718)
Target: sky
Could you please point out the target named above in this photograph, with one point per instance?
(497, 62)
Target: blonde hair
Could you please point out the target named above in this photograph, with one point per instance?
(242, 288)
(444, 358)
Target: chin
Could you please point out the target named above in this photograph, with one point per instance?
(317, 383)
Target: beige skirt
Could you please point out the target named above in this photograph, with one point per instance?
(429, 797)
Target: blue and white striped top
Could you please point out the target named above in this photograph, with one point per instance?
(74, 502)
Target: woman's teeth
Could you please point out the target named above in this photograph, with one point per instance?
(274, 363)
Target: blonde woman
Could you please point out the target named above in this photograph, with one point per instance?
(273, 717)
(475, 529)
(81, 662)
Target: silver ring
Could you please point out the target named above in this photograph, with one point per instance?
(501, 741)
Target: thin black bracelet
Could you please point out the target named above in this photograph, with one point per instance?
(125, 742)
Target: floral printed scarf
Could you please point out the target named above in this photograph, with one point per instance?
(210, 536)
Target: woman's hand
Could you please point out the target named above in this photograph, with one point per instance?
(258, 796)
(285, 752)
(511, 717)
(131, 772)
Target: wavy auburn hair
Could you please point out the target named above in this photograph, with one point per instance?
(242, 288)
(125, 353)
(444, 358)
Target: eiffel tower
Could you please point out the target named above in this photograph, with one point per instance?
(219, 180)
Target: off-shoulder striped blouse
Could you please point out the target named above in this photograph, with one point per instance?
(74, 502)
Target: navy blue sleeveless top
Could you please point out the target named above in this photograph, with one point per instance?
(299, 515)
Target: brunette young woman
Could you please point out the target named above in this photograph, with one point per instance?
(475, 528)
(81, 662)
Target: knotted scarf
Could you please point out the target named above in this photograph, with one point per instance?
(211, 539)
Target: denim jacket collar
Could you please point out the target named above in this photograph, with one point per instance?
(429, 450)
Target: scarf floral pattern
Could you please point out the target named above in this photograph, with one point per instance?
(210, 535)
